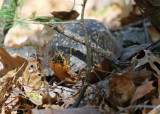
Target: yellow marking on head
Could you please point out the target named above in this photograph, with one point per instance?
(70, 51)
(75, 49)
(58, 35)
(67, 43)
(61, 39)
(56, 44)
(55, 34)
(78, 31)
(73, 24)
(70, 58)
(70, 64)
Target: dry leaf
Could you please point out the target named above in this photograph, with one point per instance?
(66, 16)
(155, 101)
(32, 79)
(122, 84)
(143, 90)
(19, 34)
(13, 68)
(50, 98)
(100, 71)
(67, 103)
(156, 110)
(140, 76)
(146, 56)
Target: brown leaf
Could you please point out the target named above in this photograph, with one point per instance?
(155, 101)
(143, 90)
(32, 78)
(16, 101)
(19, 34)
(50, 98)
(66, 16)
(9, 63)
(122, 84)
(140, 76)
(11, 70)
(132, 16)
(146, 56)
(100, 71)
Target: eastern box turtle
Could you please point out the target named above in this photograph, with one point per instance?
(76, 52)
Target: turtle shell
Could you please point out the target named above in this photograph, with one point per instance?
(76, 52)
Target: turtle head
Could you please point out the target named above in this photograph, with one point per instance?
(57, 57)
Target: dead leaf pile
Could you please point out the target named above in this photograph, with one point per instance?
(24, 87)
(130, 88)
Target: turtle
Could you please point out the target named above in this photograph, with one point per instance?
(75, 52)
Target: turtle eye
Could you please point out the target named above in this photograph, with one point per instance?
(52, 55)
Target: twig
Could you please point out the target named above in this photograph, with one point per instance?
(86, 43)
(155, 110)
(136, 106)
(47, 23)
(73, 5)
(66, 80)
(86, 82)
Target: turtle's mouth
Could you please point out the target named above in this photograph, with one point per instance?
(58, 57)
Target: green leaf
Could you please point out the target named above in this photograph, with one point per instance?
(43, 19)
(57, 19)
